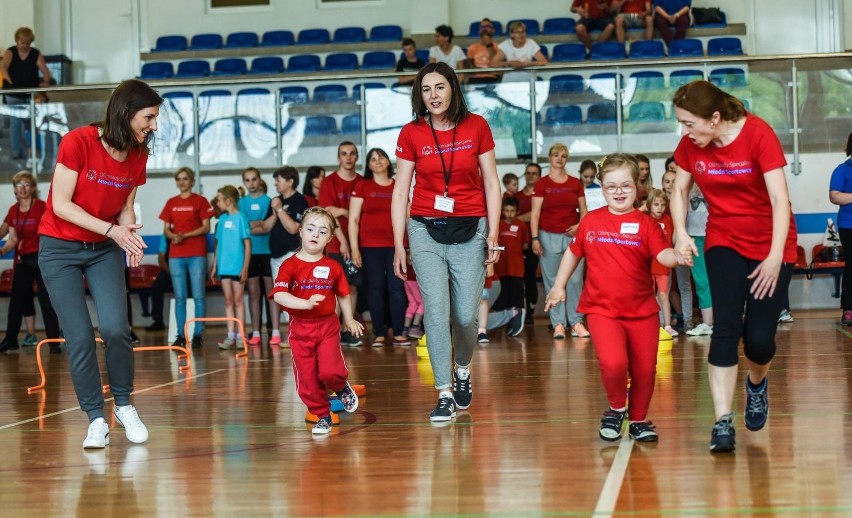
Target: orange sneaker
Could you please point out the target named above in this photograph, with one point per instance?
(559, 332)
(275, 340)
(254, 340)
(580, 331)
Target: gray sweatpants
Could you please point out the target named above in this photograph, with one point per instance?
(553, 247)
(451, 278)
(64, 264)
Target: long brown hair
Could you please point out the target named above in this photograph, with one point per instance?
(128, 98)
(457, 110)
(703, 99)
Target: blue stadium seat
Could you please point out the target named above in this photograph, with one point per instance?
(277, 39)
(728, 78)
(474, 29)
(205, 42)
(649, 80)
(157, 70)
(267, 65)
(559, 26)
(423, 54)
(333, 93)
(545, 52)
(567, 83)
(341, 61)
(193, 68)
(293, 94)
(253, 91)
(607, 50)
(679, 78)
(649, 111)
(230, 67)
(386, 33)
(727, 46)
(320, 125)
(378, 60)
(351, 124)
(650, 49)
(314, 37)
(687, 47)
(170, 43)
(302, 63)
(602, 113)
(533, 27)
(715, 25)
(563, 115)
(569, 52)
(241, 40)
(356, 90)
(350, 35)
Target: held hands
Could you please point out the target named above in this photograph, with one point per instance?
(554, 297)
(275, 204)
(178, 239)
(129, 241)
(684, 257)
(765, 278)
(354, 327)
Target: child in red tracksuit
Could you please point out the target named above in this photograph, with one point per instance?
(619, 243)
(309, 286)
(657, 203)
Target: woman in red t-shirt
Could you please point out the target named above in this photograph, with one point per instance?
(186, 224)
(313, 181)
(88, 226)
(21, 223)
(371, 246)
(738, 162)
(559, 203)
(451, 152)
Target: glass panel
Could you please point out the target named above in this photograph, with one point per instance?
(175, 135)
(649, 125)
(825, 113)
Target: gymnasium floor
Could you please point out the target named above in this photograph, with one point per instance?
(230, 439)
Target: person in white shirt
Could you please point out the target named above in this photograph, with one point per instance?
(445, 51)
(518, 52)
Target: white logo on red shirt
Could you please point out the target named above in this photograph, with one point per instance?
(700, 167)
(590, 236)
(427, 150)
(91, 175)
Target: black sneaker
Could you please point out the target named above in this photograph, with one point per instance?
(445, 410)
(197, 342)
(516, 325)
(723, 438)
(134, 339)
(55, 349)
(462, 390)
(757, 405)
(8, 345)
(346, 338)
(179, 342)
(611, 425)
(156, 325)
(643, 431)
(482, 338)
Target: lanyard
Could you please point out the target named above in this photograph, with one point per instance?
(441, 155)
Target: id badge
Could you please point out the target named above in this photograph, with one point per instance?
(444, 203)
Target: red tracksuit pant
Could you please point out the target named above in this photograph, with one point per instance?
(627, 347)
(317, 360)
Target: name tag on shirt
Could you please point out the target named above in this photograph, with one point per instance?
(229, 224)
(444, 203)
(321, 272)
(255, 206)
(513, 228)
(630, 228)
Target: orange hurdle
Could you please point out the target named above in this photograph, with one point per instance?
(221, 319)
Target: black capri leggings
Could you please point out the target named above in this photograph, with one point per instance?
(737, 314)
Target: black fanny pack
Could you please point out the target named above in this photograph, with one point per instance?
(450, 231)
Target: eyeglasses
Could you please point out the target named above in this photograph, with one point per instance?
(626, 188)
(23, 184)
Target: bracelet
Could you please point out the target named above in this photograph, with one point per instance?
(108, 230)
(534, 238)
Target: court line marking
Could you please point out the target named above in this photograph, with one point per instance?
(612, 485)
(844, 332)
(65, 411)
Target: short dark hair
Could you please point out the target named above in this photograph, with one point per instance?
(588, 164)
(458, 107)
(314, 171)
(511, 201)
(533, 164)
(408, 41)
(508, 177)
(445, 30)
(288, 173)
(368, 173)
(671, 159)
(126, 100)
(347, 143)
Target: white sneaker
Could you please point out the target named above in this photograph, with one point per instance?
(98, 434)
(133, 426)
(786, 317)
(701, 329)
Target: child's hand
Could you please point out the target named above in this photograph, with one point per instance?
(554, 297)
(355, 327)
(213, 275)
(314, 300)
(244, 275)
(684, 256)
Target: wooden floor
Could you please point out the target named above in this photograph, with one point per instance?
(231, 440)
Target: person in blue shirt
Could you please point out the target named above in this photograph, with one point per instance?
(231, 258)
(671, 18)
(840, 193)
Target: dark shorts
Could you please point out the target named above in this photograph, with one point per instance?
(512, 293)
(597, 24)
(259, 266)
(235, 278)
(354, 279)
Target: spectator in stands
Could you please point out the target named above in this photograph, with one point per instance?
(311, 188)
(840, 193)
(20, 68)
(444, 51)
(518, 52)
(722, 144)
(89, 221)
(371, 243)
(532, 173)
(186, 223)
(594, 15)
(162, 284)
(21, 225)
(633, 13)
(672, 18)
(408, 62)
(481, 54)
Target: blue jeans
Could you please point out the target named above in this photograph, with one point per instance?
(16, 129)
(196, 268)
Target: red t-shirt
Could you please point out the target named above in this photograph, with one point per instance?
(593, 8)
(731, 178)
(513, 236)
(524, 202)
(103, 184)
(376, 229)
(26, 225)
(312, 202)
(633, 6)
(185, 215)
(560, 206)
(336, 192)
(417, 144)
(618, 249)
(666, 224)
(303, 279)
